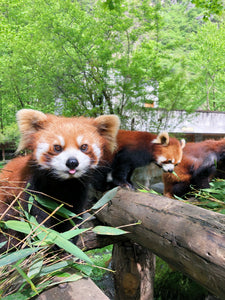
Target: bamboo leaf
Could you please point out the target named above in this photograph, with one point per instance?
(27, 227)
(52, 205)
(68, 246)
(35, 268)
(26, 278)
(72, 233)
(106, 198)
(68, 278)
(107, 230)
(17, 255)
(2, 244)
(20, 226)
(55, 267)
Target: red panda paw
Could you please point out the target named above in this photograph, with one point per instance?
(127, 186)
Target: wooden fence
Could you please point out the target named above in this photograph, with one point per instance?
(189, 238)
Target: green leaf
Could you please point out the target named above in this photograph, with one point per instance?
(58, 239)
(55, 267)
(20, 226)
(30, 202)
(72, 233)
(26, 278)
(35, 268)
(16, 296)
(52, 205)
(212, 191)
(212, 205)
(2, 244)
(26, 227)
(106, 198)
(107, 230)
(68, 278)
(86, 269)
(17, 255)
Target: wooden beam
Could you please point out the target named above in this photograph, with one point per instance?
(189, 238)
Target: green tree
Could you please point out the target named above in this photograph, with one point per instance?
(208, 63)
(9, 138)
(210, 7)
(75, 58)
(175, 79)
(82, 56)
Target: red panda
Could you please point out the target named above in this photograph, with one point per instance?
(137, 149)
(65, 152)
(200, 163)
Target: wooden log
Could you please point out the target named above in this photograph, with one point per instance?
(189, 238)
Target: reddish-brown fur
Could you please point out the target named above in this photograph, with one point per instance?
(64, 152)
(136, 140)
(198, 166)
(137, 149)
(13, 179)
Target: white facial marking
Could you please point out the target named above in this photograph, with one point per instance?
(79, 139)
(41, 148)
(160, 159)
(61, 140)
(168, 167)
(97, 151)
(58, 163)
(173, 160)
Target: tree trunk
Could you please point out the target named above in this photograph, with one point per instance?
(3, 153)
(189, 238)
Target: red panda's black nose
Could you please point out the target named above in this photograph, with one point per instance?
(72, 163)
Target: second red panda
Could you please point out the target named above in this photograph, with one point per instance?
(137, 149)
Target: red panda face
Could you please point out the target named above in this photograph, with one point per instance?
(66, 147)
(168, 152)
(69, 151)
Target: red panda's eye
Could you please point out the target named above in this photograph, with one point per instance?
(58, 148)
(84, 147)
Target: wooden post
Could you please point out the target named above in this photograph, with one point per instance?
(134, 268)
(189, 238)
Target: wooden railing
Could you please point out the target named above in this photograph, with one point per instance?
(189, 238)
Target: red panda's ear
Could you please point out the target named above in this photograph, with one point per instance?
(183, 143)
(108, 126)
(29, 122)
(162, 138)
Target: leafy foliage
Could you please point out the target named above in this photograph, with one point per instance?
(26, 272)
(84, 58)
(211, 198)
(211, 7)
(170, 284)
(101, 258)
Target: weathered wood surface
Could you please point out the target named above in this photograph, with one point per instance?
(189, 238)
(83, 289)
(135, 271)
